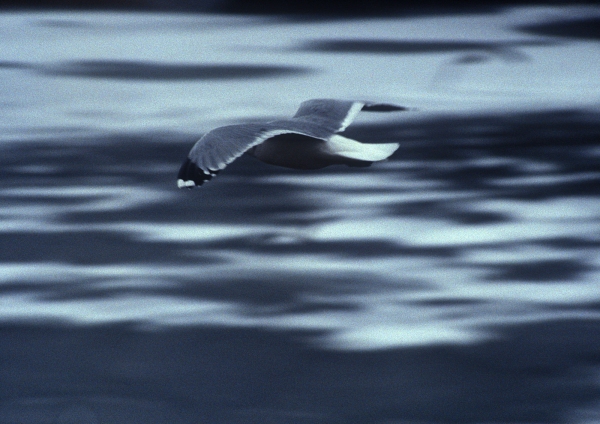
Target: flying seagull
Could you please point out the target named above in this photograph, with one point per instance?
(309, 140)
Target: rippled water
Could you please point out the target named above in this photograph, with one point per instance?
(456, 282)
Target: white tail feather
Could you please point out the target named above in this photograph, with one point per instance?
(346, 147)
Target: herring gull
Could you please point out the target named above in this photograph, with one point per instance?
(309, 140)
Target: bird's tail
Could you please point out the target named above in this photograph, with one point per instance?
(352, 149)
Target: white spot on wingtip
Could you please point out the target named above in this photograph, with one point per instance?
(185, 184)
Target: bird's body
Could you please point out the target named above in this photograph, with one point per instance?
(292, 151)
(309, 140)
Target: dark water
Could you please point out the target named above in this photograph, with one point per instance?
(457, 282)
(115, 368)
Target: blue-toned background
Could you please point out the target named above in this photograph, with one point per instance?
(458, 282)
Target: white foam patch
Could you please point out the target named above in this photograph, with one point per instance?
(545, 179)
(397, 335)
(562, 209)
(147, 308)
(358, 181)
(465, 235)
(530, 295)
(406, 230)
(510, 253)
(156, 231)
(96, 198)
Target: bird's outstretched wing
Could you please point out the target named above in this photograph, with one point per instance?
(335, 115)
(221, 146)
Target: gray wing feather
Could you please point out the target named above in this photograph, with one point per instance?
(330, 114)
(221, 146)
(335, 115)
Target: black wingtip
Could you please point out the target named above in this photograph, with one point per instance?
(190, 175)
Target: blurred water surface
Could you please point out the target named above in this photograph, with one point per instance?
(456, 282)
